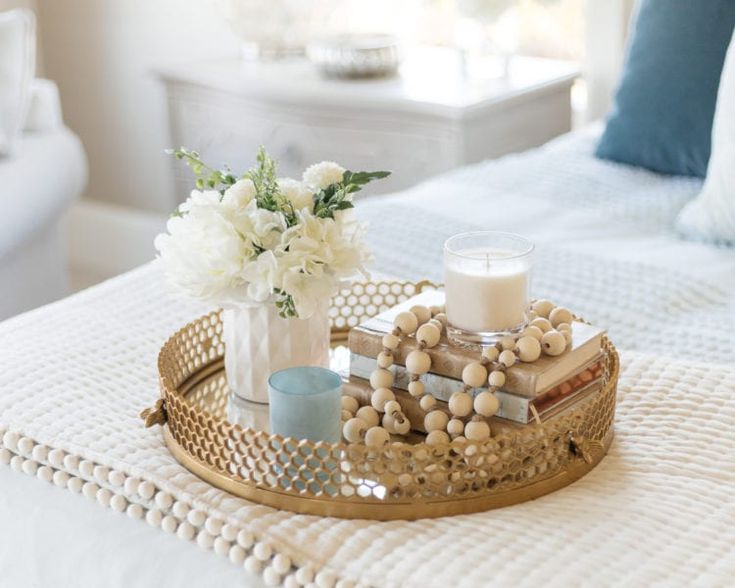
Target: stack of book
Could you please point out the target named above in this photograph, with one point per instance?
(532, 392)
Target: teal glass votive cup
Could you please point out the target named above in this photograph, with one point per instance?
(305, 403)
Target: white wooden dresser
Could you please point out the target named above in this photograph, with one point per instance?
(428, 119)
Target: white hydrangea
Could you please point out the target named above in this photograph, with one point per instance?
(297, 194)
(202, 251)
(320, 175)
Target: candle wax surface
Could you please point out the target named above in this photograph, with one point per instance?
(486, 291)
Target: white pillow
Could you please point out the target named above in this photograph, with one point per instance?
(711, 216)
(17, 68)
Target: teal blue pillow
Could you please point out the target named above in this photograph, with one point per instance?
(665, 104)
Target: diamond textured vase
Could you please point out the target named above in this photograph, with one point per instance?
(259, 342)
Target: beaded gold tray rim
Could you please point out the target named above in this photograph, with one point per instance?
(206, 448)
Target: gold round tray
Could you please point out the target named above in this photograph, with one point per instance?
(402, 481)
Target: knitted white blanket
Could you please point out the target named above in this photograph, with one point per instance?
(74, 375)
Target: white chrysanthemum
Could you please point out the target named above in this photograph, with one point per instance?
(203, 253)
(239, 195)
(297, 194)
(320, 175)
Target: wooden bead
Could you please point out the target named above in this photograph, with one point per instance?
(380, 396)
(474, 374)
(381, 378)
(385, 360)
(532, 331)
(422, 313)
(369, 415)
(460, 404)
(477, 431)
(399, 426)
(528, 348)
(416, 388)
(391, 406)
(427, 403)
(353, 430)
(567, 336)
(455, 427)
(543, 307)
(553, 343)
(442, 318)
(407, 322)
(437, 324)
(564, 327)
(346, 415)
(507, 343)
(437, 438)
(428, 334)
(418, 362)
(496, 379)
(350, 404)
(542, 323)
(376, 437)
(486, 404)
(390, 341)
(507, 358)
(490, 353)
(560, 315)
(436, 420)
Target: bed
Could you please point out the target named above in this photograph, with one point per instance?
(658, 509)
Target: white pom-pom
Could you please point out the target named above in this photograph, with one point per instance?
(135, 511)
(186, 531)
(25, 447)
(30, 467)
(75, 484)
(56, 458)
(237, 555)
(164, 500)
(262, 551)
(40, 453)
(180, 509)
(131, 485)
(10, 440)
(305, 575)
(271, 577)
(221, 546)
(116, 478)
(196, 517)
(253, 565)
(118, 503)
(213, 525)
(71, 462)
(101, 474)
(245, 539)
(281, 563)
(154, 517)
(325, 579)
(86, 468)
(205, 540)
(46, 474)
(146, 490)
(104, 496)
(5, 456)
(89, 490)
(60, 478)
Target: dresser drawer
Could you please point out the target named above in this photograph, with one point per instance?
(226, 128)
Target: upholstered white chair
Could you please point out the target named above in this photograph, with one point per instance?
(42, 170)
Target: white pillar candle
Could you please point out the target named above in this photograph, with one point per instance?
(487, 280)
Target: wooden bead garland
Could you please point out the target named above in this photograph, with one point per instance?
(549, 332)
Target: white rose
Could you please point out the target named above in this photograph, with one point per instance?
(203, 254)
(297, 194)
(308, 291)
(320, 175)
(261, 227)
(263, 276)
(239, 195)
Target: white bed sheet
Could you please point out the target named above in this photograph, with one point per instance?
(585, 215)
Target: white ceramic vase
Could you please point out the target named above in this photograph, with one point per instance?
(259, 342)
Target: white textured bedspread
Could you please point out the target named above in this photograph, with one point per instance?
(659, 509)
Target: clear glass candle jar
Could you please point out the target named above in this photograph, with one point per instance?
(487, 279)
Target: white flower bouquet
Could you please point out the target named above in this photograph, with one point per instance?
(264, 239)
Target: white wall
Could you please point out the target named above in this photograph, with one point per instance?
(102, 53)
